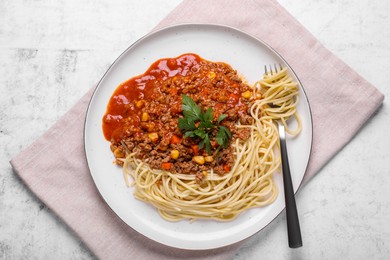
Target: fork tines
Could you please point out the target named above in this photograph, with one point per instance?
(276, 69)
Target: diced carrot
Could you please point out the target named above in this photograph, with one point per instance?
(173, 91)
(226, 168)
(234, 96)
(195, 149)
(166, 165)
(214, 144)
(175, 139)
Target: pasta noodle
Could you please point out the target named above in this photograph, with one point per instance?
(250, 181)
(280, 99)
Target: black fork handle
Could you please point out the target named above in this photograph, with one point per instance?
(293, 228)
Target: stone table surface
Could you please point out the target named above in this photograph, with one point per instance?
(52, 52)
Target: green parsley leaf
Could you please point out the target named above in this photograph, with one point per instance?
(201, 144)
(220, 138)
(208, 143)
(189, 134)
(226, 131)
(208, 116)
(221, 117)
(200, 133)
(186, 124)
(223, 136)
(204, 125)
(190, 109)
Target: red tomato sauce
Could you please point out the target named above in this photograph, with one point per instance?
(143, 111)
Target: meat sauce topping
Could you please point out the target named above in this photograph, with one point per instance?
(142, 114)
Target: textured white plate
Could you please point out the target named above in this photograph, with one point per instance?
(248, 56)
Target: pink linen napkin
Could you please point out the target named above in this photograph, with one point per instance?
(336, 94)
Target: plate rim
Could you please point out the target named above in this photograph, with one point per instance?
(170, 27)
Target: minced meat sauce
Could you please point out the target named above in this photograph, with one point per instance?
(142, 114)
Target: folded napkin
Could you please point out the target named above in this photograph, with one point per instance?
(336, 94)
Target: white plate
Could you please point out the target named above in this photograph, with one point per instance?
(248, 56)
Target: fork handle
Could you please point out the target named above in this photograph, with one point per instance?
(293, 228)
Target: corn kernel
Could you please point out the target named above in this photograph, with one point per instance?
(174, 154)
(204, 173)
(209, 158)
(150, 127)
(246, 94)
(118, 153)
(211, 74)
(145, 117)
(153, 136)
(198, 159)
(162, 147)
(140, 103)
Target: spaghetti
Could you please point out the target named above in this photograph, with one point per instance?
(248, 183)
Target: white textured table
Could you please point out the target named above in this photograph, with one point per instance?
(52, 52)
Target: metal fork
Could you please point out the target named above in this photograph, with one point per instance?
(293, 228)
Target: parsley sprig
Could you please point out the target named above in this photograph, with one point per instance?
(199, 124)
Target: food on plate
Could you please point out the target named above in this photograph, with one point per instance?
(195, 140)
